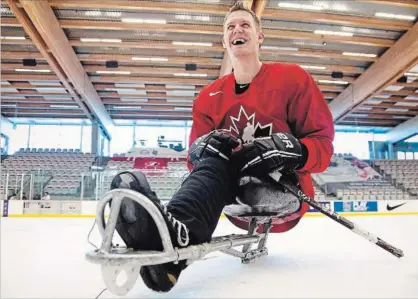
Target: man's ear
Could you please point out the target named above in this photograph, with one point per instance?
(260, 37)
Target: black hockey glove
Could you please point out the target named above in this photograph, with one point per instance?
(217, 143)
(279, 151)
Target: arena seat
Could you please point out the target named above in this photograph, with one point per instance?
(64, 166)
(402, 173)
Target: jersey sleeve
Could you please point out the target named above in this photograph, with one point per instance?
(311, 121)
(202, 122)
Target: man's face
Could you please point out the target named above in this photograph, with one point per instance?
(241, 35)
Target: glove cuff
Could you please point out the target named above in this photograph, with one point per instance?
(304, 156)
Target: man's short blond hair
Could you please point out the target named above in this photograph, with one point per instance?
(241, 6)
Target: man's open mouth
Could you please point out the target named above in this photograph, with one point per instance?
(238, 41)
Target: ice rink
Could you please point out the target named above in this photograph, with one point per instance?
(44, 258)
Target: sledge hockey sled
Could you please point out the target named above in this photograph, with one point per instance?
(114, 259)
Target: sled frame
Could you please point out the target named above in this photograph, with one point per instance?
(114, 260)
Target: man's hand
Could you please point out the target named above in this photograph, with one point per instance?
(279, 151)
(217, 143)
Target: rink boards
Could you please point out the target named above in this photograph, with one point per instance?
(87, 209)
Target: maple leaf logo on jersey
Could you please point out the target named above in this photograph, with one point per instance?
(244, 126)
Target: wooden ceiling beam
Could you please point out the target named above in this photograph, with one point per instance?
(382, 112)
(99, 87)
(403, 131)
(401, 3)
(141, 6)
(43, 105)
(36, 100)
(222, 10)
(364, 108)
(38, 41)
(44, 20)
(263, 52)
(393, 99)
(217, 30)
(178, 60)
(336, 19)
(212, 30)
(390, 66)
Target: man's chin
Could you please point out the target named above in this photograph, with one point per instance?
(239, 55)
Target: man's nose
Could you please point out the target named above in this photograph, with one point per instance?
(237, 28)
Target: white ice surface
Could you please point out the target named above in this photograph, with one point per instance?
(44, 258)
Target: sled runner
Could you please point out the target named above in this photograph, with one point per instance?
(114, 260)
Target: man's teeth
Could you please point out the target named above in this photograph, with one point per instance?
(239, 41)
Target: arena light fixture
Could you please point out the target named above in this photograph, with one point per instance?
(335, 33)
(111, 40)
(394, 16)
(127, 107)
(150, 58)
(202, 44)
(187, 17)
(279, 48)
(394, 87)
(8, 89)
(100, 40)
(190, 75)
(383, 96)
(63, 106)
(171, 86)
(299, 6)
(129, 85)
(45, 83)
(93, 13)
(33, 70)
(132, 99)
(359, 54)
(143, 21)
(396, 110)
(113, 14)
(333, 82)
(14, 37)
(411, 74)
(184, 109)
(114, 72)
(406, 104)
(313, 67)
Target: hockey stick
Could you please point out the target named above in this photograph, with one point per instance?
(334, 216)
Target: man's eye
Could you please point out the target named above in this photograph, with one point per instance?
(245, 25)
(230, 27)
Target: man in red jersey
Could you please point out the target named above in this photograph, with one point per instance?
(260, 118)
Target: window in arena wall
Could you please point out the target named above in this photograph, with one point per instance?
(409, 155)
(18, 138)
(355, 143)
(86, 139)
(151, 133)
(121, 139)
(55, 136)
(400, 155)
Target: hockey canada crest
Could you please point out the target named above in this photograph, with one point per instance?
(247, 126)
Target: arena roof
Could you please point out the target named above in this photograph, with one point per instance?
(110, 60)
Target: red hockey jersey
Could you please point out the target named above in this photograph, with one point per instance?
(280, 98)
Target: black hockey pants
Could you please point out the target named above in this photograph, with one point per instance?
(199, 202)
